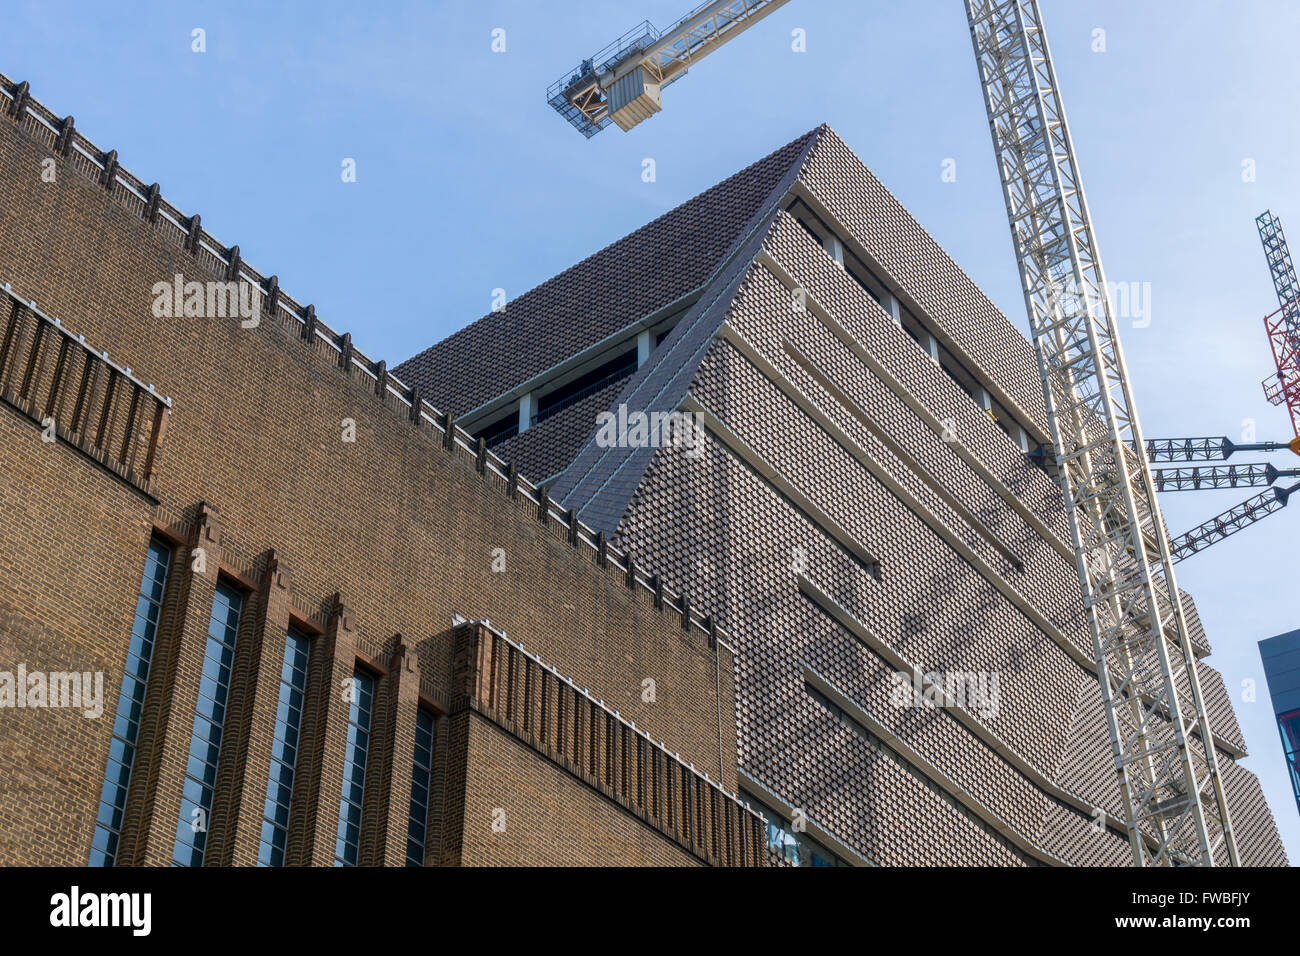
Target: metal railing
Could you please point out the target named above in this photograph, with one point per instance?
(77, 394)
(590, 739)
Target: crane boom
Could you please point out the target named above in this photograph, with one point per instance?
(1169, 778)
(1215, 477)
(1231, 521)
(622, 83)
(1203, 449)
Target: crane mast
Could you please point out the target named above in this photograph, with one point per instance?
(1282, 326)
(1169, 778)
(1175, 808)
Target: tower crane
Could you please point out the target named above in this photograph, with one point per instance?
(1282, 326)
(623, 82)
(1169, 778)
(1162, 748)
(1216, 477)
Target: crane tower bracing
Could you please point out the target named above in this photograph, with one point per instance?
(1280, 266)
(1169, 777)
(622, 83)
(1283, 326)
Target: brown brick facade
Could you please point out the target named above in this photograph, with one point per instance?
(857, 513)
(330, 497)
(860, 511)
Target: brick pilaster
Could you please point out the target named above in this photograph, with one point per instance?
(255, 715)
(173, 692)
(404, 697)
(324, 743)
(472, 662)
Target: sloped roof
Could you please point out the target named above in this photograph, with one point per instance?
(684, 249)
(603, 294)
(550, 445)
(601, 481)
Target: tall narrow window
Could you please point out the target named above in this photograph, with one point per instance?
(284, 750)
(209, 716)
(421, 780)
(348, 842)
(130, 701)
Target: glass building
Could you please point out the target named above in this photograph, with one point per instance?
(1281, 656)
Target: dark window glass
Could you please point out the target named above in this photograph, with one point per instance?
(130, 700)
(664, 333)
(421, 780)
(209, 717)
(284, 750)
(1289, 725)
(501, 430)
(348, 840)
(600, 377)
(781, 838)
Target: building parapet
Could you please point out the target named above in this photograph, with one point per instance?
(176, 228)
(497, 678)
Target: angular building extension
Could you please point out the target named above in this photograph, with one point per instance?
(743, 517)
(1281, 657)
(865, 509)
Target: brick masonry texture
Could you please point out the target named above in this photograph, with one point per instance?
(912, 607)
(507, 785)
(370, 547)
(966, 583)
(809, 456)
(593, 743)
(911, 257)
(49, 773)
(653, 266)
(546, 449)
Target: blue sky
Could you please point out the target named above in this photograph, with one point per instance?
(467, 182)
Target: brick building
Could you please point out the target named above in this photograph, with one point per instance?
(335, 627)
(869, 501)
(330, 627)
